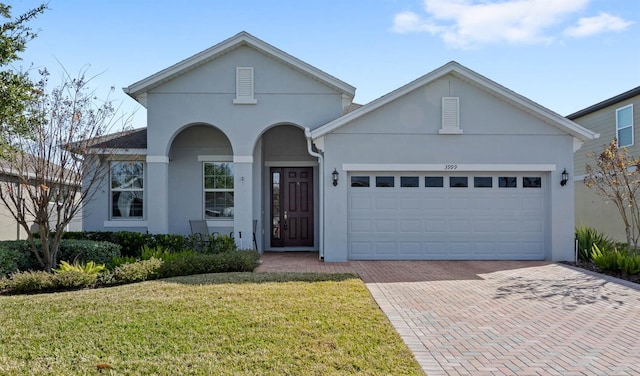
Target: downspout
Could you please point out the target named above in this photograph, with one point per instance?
(307, 134)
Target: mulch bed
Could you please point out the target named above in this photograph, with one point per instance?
(594, 268)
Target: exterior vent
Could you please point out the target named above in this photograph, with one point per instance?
(244, 86)
(450, 116)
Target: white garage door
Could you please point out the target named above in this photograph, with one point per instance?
(457, 216)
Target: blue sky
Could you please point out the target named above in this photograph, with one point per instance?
(564, 54)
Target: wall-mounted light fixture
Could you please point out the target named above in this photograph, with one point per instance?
(335, 177)
(565, 178)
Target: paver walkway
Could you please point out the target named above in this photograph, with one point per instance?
(498, 317)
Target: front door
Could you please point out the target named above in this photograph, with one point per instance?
(291, 207)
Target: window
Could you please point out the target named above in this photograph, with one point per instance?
(482, 182)
(458, 182)
(384, 181)
(507, 182)
(408, 181)
(433, 181)
(359, 181)
(531, 182)
(218, 190)
(624, 125)
(127, 189)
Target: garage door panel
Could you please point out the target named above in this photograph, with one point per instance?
(385, 225)
(435, 226)
(446, 223)
(385, 248)
(360, 225)
(360, 249)
(410, 248)
(413, 225)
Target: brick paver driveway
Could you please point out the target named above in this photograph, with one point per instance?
(499, 318)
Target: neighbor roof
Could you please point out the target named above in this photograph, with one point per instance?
(139, 89)
(475, 79)
(129, 139)
(605, 103)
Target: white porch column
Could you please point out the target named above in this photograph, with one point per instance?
(243, 200)
(157, 194)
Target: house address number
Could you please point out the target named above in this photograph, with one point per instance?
(451, 167)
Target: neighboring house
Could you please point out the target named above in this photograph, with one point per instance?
(9, 227)
(449, 166)
(612, 118)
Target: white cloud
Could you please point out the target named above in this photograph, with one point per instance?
(588, 26)
(468, 23)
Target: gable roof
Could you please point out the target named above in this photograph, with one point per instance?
(467, 75)
(139, 89)
(605, 103)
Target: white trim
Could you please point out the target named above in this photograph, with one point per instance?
(618, 110)
(290, 164)
(157, 159)
(449, 167)
(243, 159)
(125, 223)
(244, 86)
(139, 89)
(120, 151)
(215, 158)
(475, 79)
(579, 177)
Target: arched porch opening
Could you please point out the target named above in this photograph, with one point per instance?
(201, 179)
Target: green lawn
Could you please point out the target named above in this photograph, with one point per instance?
(236, 323)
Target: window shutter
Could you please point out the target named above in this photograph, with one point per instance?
(244, 86)
(450, 116)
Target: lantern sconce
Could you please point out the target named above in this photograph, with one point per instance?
(335, 177)
(565, 177)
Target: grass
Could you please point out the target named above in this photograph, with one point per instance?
(222, 324)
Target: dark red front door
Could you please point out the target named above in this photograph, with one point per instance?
(292, 207)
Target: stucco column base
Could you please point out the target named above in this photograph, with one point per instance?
(157, 181)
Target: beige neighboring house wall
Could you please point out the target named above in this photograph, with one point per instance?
(591, 209)
(9, 228)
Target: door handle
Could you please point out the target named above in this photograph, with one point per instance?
(285, 220)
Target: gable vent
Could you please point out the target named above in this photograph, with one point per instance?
(450, 116)
(244, 86)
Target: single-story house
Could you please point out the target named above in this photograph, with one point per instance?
(253, 140)
(612, 118)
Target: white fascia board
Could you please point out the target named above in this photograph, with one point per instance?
(449, 167)
(476, 79)
(526, 104)
(243, 38)
(383, 100)
(121, 151)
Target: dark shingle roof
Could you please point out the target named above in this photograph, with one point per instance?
(132, 139)
(605, 103)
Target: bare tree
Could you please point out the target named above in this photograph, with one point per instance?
(615, 175)
(56, 168)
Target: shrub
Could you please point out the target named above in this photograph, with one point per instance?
(163, 254)
(138, 271)
(74, 279)
(106, 277)
(90, 268)
(630, 264)
(616, 260)
(117, 261)
(100, 252)
(32, 281)
(240, 261)
(11, 259)
(587, 238)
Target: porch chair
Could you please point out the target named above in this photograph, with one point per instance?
(200, 229)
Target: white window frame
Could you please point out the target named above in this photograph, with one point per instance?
(618, 128)
(206, 190)
(112, 190)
